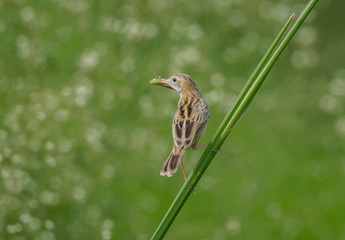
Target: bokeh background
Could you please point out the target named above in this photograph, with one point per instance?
(83, 135)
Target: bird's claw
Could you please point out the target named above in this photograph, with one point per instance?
(215, 150)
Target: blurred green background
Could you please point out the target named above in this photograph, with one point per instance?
(83, 135)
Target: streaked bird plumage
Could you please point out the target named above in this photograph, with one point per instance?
(190, 120)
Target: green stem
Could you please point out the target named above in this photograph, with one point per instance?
(230, 120)
(253, 77)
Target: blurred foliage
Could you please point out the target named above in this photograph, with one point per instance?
(83, 135)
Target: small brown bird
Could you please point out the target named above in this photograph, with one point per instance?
(189, 122)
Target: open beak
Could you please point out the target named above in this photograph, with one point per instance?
(161, 82)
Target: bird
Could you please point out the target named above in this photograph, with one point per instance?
(190, 120)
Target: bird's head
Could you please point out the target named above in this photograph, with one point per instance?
(178, 82)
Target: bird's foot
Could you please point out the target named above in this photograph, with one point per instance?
(203, 145)
(206, 144)
(215, 150)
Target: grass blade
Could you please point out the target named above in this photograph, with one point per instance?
(230, 120)
(255, 73)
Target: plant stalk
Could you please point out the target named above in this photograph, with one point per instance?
(247, 94)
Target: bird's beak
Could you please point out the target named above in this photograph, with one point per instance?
(161, 82)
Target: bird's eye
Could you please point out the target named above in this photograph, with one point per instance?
(174, 79)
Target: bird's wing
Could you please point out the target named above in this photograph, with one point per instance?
(188, 122)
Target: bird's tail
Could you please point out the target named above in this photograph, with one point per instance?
(171, 164)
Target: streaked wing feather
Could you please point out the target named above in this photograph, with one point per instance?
(185, 128)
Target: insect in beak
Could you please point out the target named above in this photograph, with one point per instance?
(161, 82)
